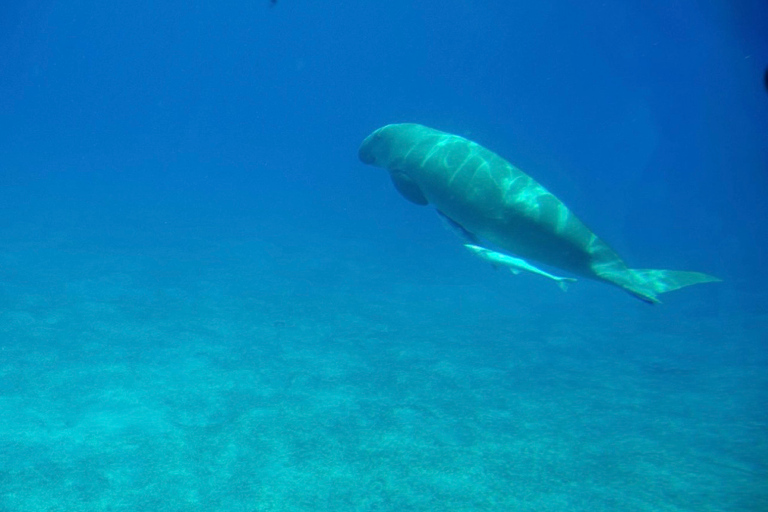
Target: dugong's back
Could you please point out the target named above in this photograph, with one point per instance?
(488, 196)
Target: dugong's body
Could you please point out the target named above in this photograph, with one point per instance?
(493, 200)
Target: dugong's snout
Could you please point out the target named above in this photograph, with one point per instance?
(365, 155)
(366, 152)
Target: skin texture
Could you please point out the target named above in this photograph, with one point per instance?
(495, 201)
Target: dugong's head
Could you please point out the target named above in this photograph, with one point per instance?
(388, 142)
(388, 147)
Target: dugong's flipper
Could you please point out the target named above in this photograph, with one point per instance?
(516, 265)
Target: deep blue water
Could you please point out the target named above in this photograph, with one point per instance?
(208, 303)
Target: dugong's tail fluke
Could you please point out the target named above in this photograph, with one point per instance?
(645, 284)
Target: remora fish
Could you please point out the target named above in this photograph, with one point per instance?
(516, 265)
(491, 199)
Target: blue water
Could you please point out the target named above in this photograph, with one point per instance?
(208, 303)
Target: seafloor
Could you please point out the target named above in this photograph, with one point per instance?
(260, 368)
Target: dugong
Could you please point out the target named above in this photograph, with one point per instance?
(491, 199)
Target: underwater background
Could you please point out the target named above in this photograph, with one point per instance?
(207, 302)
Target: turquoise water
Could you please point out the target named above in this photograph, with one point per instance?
(208, 303)
(230, 372)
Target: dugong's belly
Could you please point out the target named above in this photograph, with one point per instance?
(525, 237)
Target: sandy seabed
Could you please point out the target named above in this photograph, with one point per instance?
(252, 375)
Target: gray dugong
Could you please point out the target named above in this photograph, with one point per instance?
(493, 200)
